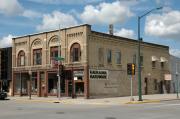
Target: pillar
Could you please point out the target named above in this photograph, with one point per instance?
(38, 84)
(86, 81)
(13, 84)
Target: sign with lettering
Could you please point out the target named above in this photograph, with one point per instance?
(167, 77)
(98, 74)
(78, 73)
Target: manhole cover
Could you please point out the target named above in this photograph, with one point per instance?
(56, 102)
(59, 112)
(110, 118)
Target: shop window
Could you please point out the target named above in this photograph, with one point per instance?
(37, 56)
(109, 56)
(21, 58)
(75, 52)
(118, 57)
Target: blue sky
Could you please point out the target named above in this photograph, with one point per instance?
(21, 17)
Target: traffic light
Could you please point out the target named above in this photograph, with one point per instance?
(131, 69)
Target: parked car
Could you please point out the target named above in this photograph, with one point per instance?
(3, 95)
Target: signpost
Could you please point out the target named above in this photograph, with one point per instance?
(60, 69)
(131, 72)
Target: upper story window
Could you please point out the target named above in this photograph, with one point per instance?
(118, 57)
(134, 58)
(153, 64)
(75, 52)
(21, 58)
(162, 65)
(141, 60)
(101, 56)
(54, 52)
(37, 56)
(109, 56)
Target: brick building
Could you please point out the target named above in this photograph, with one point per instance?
(5, 68)
(95, 64)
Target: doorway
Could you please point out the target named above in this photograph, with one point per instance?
(146, 86)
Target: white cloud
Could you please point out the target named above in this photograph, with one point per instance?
(66, 1)
(31, 14)
(52, 21)
(166, 25)
(10, 7)
(106, 13)
(13, 7)
(175, 52)
(128, 33)
(6, 41)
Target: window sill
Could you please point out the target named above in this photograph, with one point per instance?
(119, 64)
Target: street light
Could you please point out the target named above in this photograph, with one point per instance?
(139, 41)
(30, 81)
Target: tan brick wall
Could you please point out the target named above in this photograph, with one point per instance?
(118, 83)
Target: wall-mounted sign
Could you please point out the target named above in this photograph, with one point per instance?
(98, 74)
(167, 76)
(78, 73)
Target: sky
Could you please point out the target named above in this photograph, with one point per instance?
(22, 17)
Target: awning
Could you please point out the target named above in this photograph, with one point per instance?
(154, 58)
(163, 59)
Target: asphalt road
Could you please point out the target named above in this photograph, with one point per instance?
(10, 109)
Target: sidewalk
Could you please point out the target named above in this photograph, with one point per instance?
(156, 98)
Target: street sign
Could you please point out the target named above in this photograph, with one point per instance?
(59, 58)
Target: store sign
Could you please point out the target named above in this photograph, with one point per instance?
(79, 73)
(167, 76)
(98, 74)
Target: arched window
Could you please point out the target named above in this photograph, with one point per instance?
(21, 58)
(37, 56)
(75, 52)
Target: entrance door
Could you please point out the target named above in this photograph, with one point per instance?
(146, 86)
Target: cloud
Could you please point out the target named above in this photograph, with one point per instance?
(13, 7)
(175, 52)
(6, 41)
(128, 33)
(31, 14)
(106, 13)
(10, 7)
(52, 21)
(66, 1)
(166, 25)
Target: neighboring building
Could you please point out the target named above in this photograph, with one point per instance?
(98, 62)
(175, 64)
(5, 68)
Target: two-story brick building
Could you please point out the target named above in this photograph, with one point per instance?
(95, 64)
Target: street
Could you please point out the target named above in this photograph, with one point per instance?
(10, 109)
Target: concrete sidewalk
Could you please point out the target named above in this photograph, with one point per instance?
(156, 98)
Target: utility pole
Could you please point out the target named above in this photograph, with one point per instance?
(59, 63)
(139, 51)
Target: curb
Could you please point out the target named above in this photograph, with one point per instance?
(144, 101)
